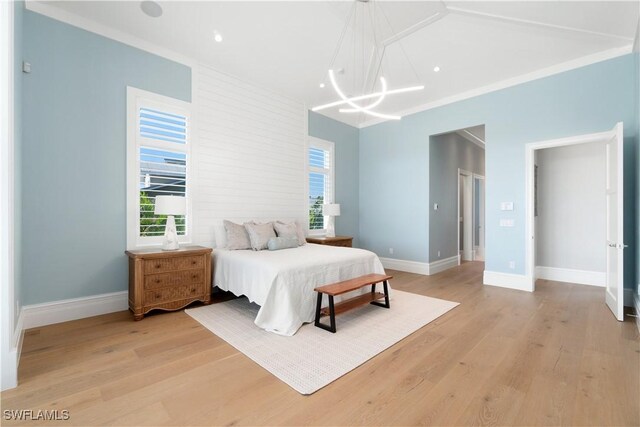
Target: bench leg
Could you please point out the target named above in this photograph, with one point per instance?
(386, 296)
(318, 307)
(332, 314)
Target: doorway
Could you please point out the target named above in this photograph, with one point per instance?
(611, 142)
(456, 197)
(470, 216)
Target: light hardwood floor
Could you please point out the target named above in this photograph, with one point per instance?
(503, 357)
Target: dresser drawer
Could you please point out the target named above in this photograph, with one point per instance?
(171, 264)
(173, 293)
(174, 278)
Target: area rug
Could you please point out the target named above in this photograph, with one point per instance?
(313, 357)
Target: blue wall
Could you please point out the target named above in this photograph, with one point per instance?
(580, 101)
(73, 155)
(345, 138)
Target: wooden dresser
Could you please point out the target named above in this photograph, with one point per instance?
(168, 280)
(331, 241)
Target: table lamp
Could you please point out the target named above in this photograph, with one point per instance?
(331, 210)
(170, 205)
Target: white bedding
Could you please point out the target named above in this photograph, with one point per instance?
(282, 282)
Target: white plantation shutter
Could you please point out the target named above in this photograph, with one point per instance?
(159, 147)
(321, 186)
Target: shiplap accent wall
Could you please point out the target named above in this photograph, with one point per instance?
(248, 154)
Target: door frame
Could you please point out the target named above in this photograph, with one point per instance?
(482, 215)
(530, 149)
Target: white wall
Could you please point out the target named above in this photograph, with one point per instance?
(8, 327)
(571, 220)
(249, 154)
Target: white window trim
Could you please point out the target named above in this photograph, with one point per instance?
(134, 98)
(329, 146)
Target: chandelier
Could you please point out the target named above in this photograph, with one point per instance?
(363, 27)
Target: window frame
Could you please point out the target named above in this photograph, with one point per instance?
(137, 98)
(320, 144)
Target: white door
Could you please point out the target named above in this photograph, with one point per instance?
(478, 218)
(615, 245)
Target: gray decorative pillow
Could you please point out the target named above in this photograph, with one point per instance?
(286, 230)
(259, 235)
(290, 229)
(277, 243)
(237, 236)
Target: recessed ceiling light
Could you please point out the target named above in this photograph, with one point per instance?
(436, 69)
(151, 8)
(217, 36)
(321, 85)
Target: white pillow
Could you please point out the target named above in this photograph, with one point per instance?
(288, 228)
(237, 237)
(259, 235)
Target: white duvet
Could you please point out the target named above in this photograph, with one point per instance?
(282, 282)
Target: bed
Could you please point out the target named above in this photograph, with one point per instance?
(282, 282)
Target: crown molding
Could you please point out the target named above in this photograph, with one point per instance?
(545, 72)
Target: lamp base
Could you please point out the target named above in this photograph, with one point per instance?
(170, 241)
(331, 228)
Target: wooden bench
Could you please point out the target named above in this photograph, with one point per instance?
(350, 285)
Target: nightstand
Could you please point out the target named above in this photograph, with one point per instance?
(168, 280)
(332, 241)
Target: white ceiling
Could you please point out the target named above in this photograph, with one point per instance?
(288, 46)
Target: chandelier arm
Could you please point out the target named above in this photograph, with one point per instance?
(367, 96)
(354, 105)
(383, 94)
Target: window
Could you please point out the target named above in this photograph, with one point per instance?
(158, 156)
(320, 161)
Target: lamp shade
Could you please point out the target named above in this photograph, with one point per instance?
(170, 205)
(331, 209)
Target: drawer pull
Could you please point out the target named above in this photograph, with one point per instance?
(157, 280)
(193, 262)
(193, 290)
(194, 276)
(157, 295)
(157, 265)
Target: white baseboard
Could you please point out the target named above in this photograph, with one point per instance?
(444, 264)
(18, 335)
(71, 309)
(506, 280)
(10, 363)
(583, 277)
(424, 268)
(408, 266)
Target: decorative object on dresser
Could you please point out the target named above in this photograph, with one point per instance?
(331, 210)
(170, 205)
(168, 280)
(332, 241)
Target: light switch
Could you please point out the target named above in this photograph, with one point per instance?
(506, 206)
(435, 206)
